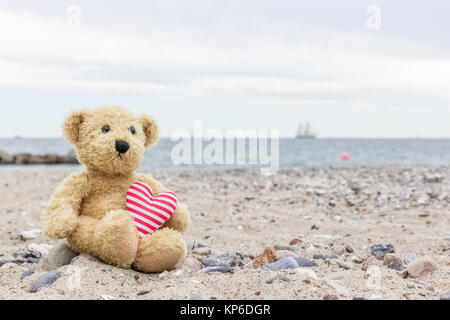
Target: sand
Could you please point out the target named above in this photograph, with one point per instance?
(242, 211)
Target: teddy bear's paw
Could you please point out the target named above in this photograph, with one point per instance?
(115, 239)
(160, 251)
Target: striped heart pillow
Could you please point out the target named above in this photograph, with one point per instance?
(149, 212)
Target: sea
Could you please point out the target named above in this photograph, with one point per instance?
(292, 153)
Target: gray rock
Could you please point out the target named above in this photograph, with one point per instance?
(225, 260)
(26, 274)
(45, 280)
(303, 262)
(409, 257)
(379, 250)
(216, 269)
(445, 296)
(284, 263)
(344, 264)
(396, 264)
(324, 257)
(61, 254)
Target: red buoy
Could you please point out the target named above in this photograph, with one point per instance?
(345, 156)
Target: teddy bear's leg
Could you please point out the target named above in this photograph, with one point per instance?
(80, 240)
(115, 239)
(160, 251)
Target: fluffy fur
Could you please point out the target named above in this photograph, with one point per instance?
(89, 208)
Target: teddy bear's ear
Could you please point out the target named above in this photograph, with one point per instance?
(71, 126)
(151, 130)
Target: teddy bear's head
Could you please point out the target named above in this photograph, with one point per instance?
(110, 139)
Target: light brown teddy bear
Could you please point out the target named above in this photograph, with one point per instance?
(90, 208)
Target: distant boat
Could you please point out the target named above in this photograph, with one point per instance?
(305, 133)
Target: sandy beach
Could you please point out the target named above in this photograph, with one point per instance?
(331, 211)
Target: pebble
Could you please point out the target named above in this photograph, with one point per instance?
(30, 234)
(392, 261)
(295, 241)
(284, 263)
(324, 257)
(282, 247)
(216, 269)
(408, 258)
(445, 296)
(344, 264)
(43, 249)
(225, 260)
(61, 254)
(204, 251)
(268, 256)
(44, 280)
(303, 262)
(330, 297)
(421, 267)
(196, 296)
(142, 292)
(339, 250)
(308, 273)
(189, 264)
(26, 274)
(379, 250)
(280, 277)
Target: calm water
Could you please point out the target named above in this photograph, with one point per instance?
(293, 153)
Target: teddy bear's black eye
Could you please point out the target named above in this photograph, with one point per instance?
(105, 128)
(133, 130)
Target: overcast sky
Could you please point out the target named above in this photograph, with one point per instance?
(231, 64)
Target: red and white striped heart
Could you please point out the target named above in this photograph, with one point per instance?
(148, 212)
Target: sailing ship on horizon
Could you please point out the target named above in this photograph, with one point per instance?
(305, 132)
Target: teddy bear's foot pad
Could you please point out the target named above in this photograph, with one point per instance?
(160, 251)
(115, 239)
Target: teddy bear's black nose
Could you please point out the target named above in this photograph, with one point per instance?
(122, 146)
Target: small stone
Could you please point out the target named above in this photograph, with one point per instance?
(268, 256)
(421, 267)
(26, 274)
(357, 259)
(285, 263)
(189, 264)
(348, 249)
(339, 250)
(303, 262)
(142, 292)
(308, 273)
(163, 274)
(196, 296)
(45, 280)
(295, 241)
(204, 251)
(445, 296)
(379, 250)
(61, 254)
(8, 265)
(42, 249)
(32, 260)
(392, 262)
(30, 234)
(330, 297)
(324, 257)
(408, 258)
(225, 260)
(216, 269)
(344, 264)
(283, 247)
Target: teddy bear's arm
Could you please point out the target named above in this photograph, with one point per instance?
(180, 219)
(60, 218)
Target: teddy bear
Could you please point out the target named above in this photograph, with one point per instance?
(89, 208)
